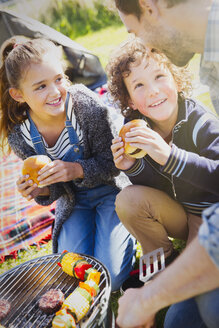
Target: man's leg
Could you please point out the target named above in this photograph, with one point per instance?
(208, 305)
(184, 315)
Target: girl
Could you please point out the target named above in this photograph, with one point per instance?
(42, 114)
(178, 178)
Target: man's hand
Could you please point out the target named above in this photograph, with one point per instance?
(131, 312)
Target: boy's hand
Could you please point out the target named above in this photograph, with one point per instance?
(150, 141)
(121, 160)
(30, 190)
(60, 171)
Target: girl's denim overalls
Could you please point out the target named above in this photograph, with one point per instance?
(93, 227)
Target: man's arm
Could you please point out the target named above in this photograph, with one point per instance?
(192, 273)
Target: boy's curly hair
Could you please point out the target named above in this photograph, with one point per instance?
(133, 51)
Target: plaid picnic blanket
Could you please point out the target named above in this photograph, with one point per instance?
(22, 222)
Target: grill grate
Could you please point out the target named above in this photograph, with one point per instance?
(23, 285)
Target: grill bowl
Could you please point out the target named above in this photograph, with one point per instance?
(23, 286)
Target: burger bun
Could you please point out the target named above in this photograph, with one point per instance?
(32, 165)
(129, 150)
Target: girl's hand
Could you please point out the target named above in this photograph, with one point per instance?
(30, 190)
(60, 171)
(121, 160)
(150, 141)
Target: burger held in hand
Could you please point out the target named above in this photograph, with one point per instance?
(129, 150)
(32, 165)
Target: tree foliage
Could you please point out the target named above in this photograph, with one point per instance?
(75, 18)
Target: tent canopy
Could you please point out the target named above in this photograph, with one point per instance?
(82, 66)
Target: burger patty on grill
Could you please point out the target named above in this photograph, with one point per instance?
(51, 301)
(5, 307)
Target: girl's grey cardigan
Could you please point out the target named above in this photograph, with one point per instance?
(97, 163)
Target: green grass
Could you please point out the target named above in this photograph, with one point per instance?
(101, 43)
(75, 18)
(25, 255)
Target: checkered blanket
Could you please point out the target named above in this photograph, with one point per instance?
(22, 222)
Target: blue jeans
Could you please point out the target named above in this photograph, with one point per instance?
(94, 229)
(198, 312)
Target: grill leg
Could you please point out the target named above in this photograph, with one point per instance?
(109, 320)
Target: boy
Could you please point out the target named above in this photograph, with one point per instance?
(177, 179)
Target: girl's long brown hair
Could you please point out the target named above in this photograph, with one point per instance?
(17, 54)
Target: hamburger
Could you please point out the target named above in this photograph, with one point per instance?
(32, 165)
(5, 307)
(129, 150)
(51, 301)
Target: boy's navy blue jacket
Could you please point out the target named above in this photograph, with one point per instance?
(191, 174)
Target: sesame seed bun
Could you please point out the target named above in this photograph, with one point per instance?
(129, 150)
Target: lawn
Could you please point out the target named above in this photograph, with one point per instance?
(101, 43)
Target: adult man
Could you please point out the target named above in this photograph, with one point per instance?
(194, 272)
(179, 28)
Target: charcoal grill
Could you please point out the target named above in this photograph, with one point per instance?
(23, 285)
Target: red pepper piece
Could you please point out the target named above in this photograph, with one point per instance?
(80, 269)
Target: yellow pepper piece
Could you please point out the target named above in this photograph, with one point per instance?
(95, 276)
